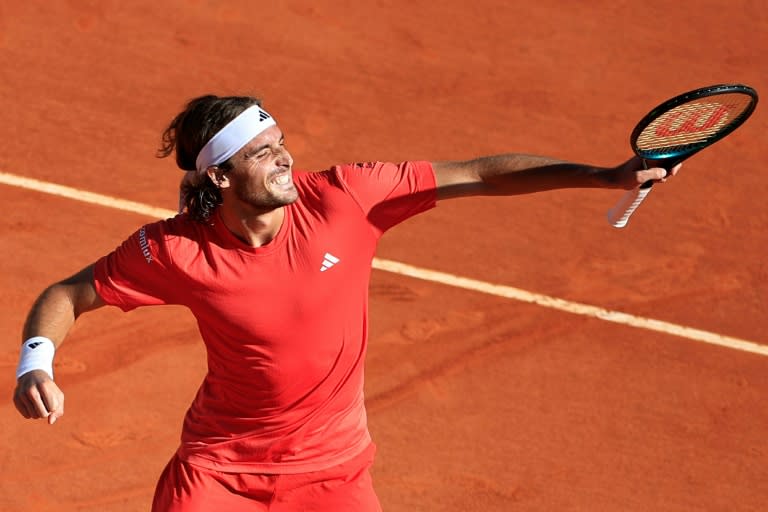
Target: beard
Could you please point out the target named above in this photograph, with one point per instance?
(266, 197)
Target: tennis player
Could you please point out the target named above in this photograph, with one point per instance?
(274, 263)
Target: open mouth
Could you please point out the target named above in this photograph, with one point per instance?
(282, 179)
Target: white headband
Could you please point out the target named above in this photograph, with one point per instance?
(235, 134)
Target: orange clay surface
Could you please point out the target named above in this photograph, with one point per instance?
(476, 402)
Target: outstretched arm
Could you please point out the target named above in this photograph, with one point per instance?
(51, 317)
(513, 174)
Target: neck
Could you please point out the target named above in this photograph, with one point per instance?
(253, 228)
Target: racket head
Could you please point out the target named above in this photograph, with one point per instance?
(690, 122)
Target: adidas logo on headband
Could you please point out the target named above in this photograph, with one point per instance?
(236, 134)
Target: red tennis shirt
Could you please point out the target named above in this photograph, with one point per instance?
(285, 325)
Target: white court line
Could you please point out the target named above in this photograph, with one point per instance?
(427, 275)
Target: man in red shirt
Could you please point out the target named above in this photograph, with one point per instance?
(275, 264)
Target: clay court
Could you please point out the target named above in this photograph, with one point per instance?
(643, 389)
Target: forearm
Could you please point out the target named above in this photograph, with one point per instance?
(521, 174)
(51, 316)
(512, 174)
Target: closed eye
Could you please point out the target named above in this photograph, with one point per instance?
(262, 151)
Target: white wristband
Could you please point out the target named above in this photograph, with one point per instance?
(36, 354)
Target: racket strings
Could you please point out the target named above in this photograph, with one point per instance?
(692, 124)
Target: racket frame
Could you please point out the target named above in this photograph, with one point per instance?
(618, 216)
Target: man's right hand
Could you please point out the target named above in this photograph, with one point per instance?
(37, 396)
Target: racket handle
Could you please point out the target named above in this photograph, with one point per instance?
(618, 216)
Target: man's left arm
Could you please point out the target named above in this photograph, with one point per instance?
(514, 174)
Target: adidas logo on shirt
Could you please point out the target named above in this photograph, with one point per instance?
(329, 260)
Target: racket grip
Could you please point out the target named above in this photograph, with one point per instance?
(618, 216)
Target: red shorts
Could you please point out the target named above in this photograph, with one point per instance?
(184, 487)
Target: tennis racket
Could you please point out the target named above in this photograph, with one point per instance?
(681, 127)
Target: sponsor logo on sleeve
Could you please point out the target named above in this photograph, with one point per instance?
(144, 245)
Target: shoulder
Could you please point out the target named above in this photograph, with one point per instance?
(369, 184)
(174, 227)
(362, 173)
(156, 240)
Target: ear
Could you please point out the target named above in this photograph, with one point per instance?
(217, 176)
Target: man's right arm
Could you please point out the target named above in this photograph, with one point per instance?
(51, 317)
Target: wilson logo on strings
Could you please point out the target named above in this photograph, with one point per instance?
(704, 118)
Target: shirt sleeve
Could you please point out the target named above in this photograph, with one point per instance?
(390, 193)
(136, 273)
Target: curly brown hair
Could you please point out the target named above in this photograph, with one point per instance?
(186, 135)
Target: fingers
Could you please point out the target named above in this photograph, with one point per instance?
(38, 407)
(658, 174)
(21, 406)
(55, 415)
(53, 401)
(37, 396)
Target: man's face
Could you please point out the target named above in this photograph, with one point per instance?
(261, 172)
